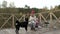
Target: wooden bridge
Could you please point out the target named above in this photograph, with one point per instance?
(13, 17)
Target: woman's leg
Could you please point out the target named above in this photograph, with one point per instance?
(32, 26)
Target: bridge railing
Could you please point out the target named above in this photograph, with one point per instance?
(13, 17)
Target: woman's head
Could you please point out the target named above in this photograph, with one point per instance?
(32, 13)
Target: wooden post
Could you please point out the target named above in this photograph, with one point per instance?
(50, 17)
(51, 24)
(12, 20)
(40, 17)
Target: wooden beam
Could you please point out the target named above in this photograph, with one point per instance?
(43, 18)
(21, 18)
(16, 17)
(3, 17)
(47, 16)
(5, 22)
(54, 16)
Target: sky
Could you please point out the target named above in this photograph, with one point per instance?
(34, 3)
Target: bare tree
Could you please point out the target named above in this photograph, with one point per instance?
(4, 4)
(56, 7)
(51, 8)
(45, 8)
(12, 5)
(27, 7)
(0, 5)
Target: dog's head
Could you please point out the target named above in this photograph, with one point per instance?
(26, 19)
(17, 21)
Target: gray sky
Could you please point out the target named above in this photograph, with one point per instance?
(34, 3)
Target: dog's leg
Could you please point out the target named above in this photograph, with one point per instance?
(26, 28)
(17, 31)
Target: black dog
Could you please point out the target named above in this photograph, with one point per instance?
(21, 24)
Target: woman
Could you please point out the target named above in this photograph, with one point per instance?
(32, 20)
